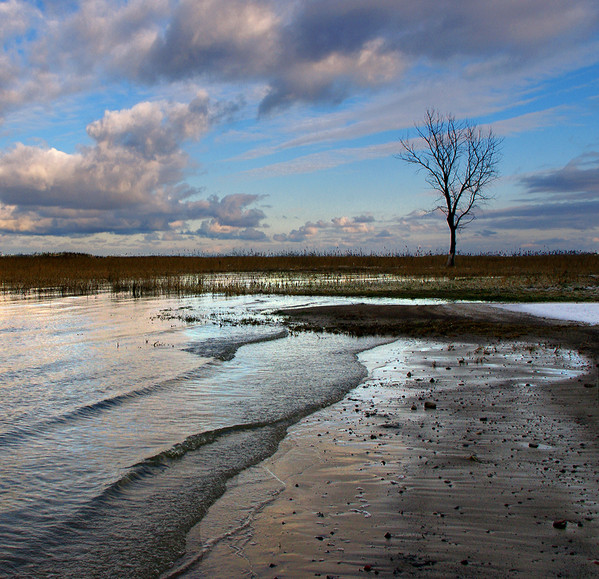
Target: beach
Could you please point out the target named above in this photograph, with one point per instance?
(470, 451)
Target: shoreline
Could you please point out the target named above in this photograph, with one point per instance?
(378, 484)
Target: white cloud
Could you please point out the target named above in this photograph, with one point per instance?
(15, 18)
(301, 51)
(129, 181)
(386, 60)
(326, 160)
(337, 230)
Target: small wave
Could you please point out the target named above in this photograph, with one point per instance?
(157, 463)
(225, 348)
(18, 434)
(222, 349)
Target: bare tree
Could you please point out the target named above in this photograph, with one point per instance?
(460, 160)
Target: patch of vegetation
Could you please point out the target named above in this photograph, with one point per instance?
(534, 277)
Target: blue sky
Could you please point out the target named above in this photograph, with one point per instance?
(211, 126)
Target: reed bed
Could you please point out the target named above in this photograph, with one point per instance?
(480, 277)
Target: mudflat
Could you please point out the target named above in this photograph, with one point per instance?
(472, 451)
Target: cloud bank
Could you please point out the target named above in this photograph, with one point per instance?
(299, 51)
(131, 180)
(131, 173)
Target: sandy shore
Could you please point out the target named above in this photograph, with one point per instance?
(471, 452)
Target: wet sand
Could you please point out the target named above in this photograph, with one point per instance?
(472, 452)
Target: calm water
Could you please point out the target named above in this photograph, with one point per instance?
(121, 420)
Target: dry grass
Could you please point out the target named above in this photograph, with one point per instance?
(521, 277)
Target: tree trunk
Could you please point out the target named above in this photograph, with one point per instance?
(452, 237)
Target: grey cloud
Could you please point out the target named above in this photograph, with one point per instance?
(15, 18)
(89, 35)
(130, 181)
(285, 91)
(233, 39)
(156, 214)
(579, 216)
(230, 211)
(153, 128)
(214, 230)
(408, 31)
(302, 233)
(323, 27)
(580, 178)
(338, 226)
(364, 219)
(301, 50)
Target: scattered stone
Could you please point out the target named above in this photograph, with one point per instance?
(387, 535)
(560, 524)
(428, 405)
(533, 445)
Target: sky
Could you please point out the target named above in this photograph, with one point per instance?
(258, 126)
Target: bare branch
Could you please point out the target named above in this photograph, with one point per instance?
(459, 161)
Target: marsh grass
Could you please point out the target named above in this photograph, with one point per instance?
(491, 278)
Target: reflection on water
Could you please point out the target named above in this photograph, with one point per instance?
(121, 419)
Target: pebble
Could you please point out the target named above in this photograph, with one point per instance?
(560, 524)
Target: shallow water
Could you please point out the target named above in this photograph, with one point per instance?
(121, 420)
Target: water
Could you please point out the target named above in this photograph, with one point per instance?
(122, 419)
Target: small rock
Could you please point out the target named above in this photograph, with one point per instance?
(533, 445)
(560, 524)
(428, 405)
(387, 535)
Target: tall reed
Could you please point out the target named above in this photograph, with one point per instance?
(540, 276)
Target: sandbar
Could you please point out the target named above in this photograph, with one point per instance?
(471, 451)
